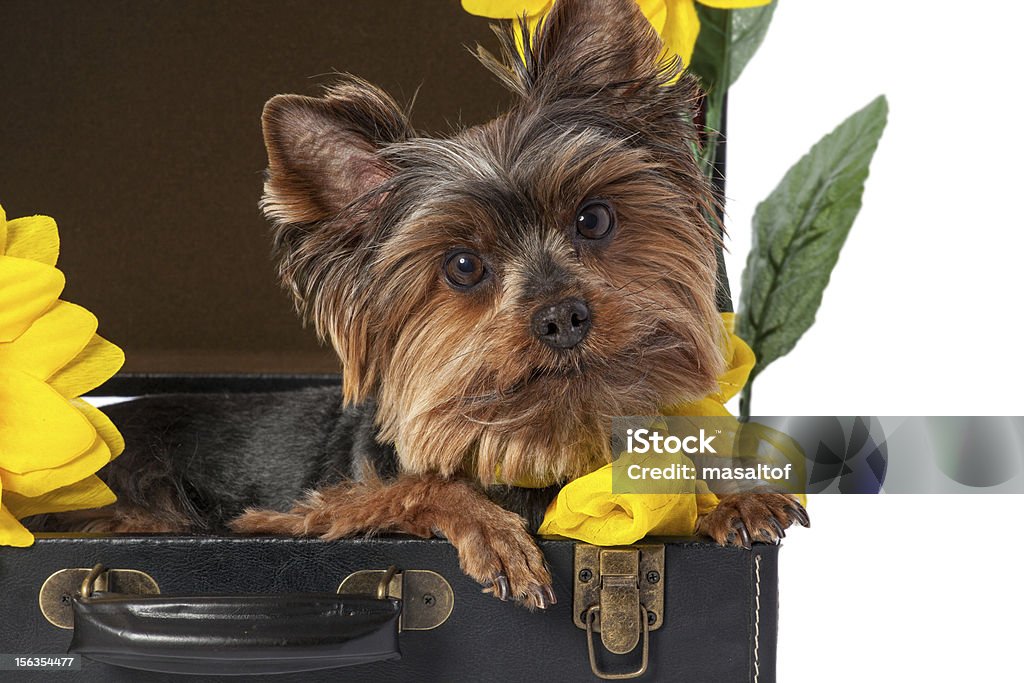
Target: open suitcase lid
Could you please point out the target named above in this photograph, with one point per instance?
(161, 233)
(155, 170)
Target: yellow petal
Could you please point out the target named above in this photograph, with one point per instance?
(40, 481)
(739, 359)
(587, 510)
(681, 29)
(505, 9)
(34, 238)
(734, 4)
(3, 230)
(12, 532)
(51, 342)
(97, 363)
(531, 24)
(741, 362)
(91, 492)
(104, 427)
(27, 290)
(728, 322)
(655, 11)
(38, 428)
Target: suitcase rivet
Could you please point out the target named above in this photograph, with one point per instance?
(586, 575)
(651, 618)
(653, 577)
(428, 599)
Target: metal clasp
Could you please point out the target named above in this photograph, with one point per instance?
(384, 585)
(619, 593)
(596, 610)
(427, 598)
(89, 582)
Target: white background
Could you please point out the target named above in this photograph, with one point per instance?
(922, 317)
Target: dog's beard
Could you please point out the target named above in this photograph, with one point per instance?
(500, 407)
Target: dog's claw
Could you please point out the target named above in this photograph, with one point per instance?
(780, 533)
(501, 584)
(801, 515)
(550, 594)
(539, 598)
(741, 529)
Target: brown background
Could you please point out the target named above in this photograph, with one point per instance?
(136, 126)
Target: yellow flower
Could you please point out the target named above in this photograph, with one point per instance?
(51, 441)
(675, 20)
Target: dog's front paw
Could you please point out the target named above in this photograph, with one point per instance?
(501, 554)
(742, 518)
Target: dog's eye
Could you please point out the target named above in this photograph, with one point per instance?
(464, 269)
(595, 220)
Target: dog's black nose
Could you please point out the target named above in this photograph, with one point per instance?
(562, 325)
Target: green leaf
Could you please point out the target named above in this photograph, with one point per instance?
(798, 232)
(727, 41)
(749, 27)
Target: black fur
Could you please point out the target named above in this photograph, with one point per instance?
(216, 454)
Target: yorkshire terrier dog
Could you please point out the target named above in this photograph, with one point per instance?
(495, 297)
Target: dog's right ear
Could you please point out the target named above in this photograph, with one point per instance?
(322, 152)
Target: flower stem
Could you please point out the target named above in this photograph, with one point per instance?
(745, 402)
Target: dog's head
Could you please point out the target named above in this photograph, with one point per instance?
(503, 292)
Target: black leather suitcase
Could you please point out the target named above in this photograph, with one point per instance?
(387, 608)
(711, 612)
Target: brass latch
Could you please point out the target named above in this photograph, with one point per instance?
(427, 597)
(619, 593)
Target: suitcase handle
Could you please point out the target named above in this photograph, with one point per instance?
(234, 634)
